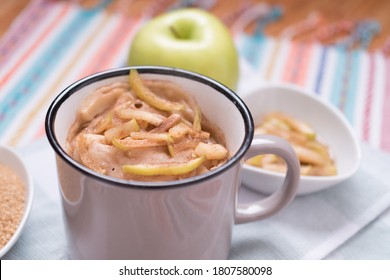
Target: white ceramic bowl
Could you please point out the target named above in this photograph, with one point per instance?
(328, 122)
(11, 159)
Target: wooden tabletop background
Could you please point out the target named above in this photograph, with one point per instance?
(294, 11)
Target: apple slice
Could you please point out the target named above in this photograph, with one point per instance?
(197, 119)
(103, 124)
(149, 97)
(146, 116)
(211, 151)
(128, 143)
(121, 131)
(171, 169)
(164, 137)
(181, 130)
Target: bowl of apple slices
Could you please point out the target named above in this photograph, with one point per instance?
(321, 136)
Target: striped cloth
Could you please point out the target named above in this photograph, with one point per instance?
(54, 43)
(357, 81)
(51, 45)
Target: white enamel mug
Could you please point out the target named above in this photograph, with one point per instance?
(111, 218)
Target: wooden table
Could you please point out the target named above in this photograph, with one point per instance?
(294, 11)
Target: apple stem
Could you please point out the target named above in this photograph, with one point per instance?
(175, 32)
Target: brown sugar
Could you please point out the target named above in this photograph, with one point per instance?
(12, 203)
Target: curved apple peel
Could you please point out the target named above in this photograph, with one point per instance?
(173, 169)
(149, 97)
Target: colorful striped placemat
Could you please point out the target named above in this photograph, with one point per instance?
(356, 81)
(53, 43)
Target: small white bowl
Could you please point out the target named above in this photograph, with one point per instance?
(10, 158)
(329, 123)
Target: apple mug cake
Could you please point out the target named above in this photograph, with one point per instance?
(145, 130)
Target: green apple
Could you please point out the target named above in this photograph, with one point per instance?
(191, 39)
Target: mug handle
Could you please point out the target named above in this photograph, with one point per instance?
(268, 144)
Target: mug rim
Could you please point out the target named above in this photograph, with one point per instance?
(160, 70)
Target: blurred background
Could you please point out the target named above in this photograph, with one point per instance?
(293, 12)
